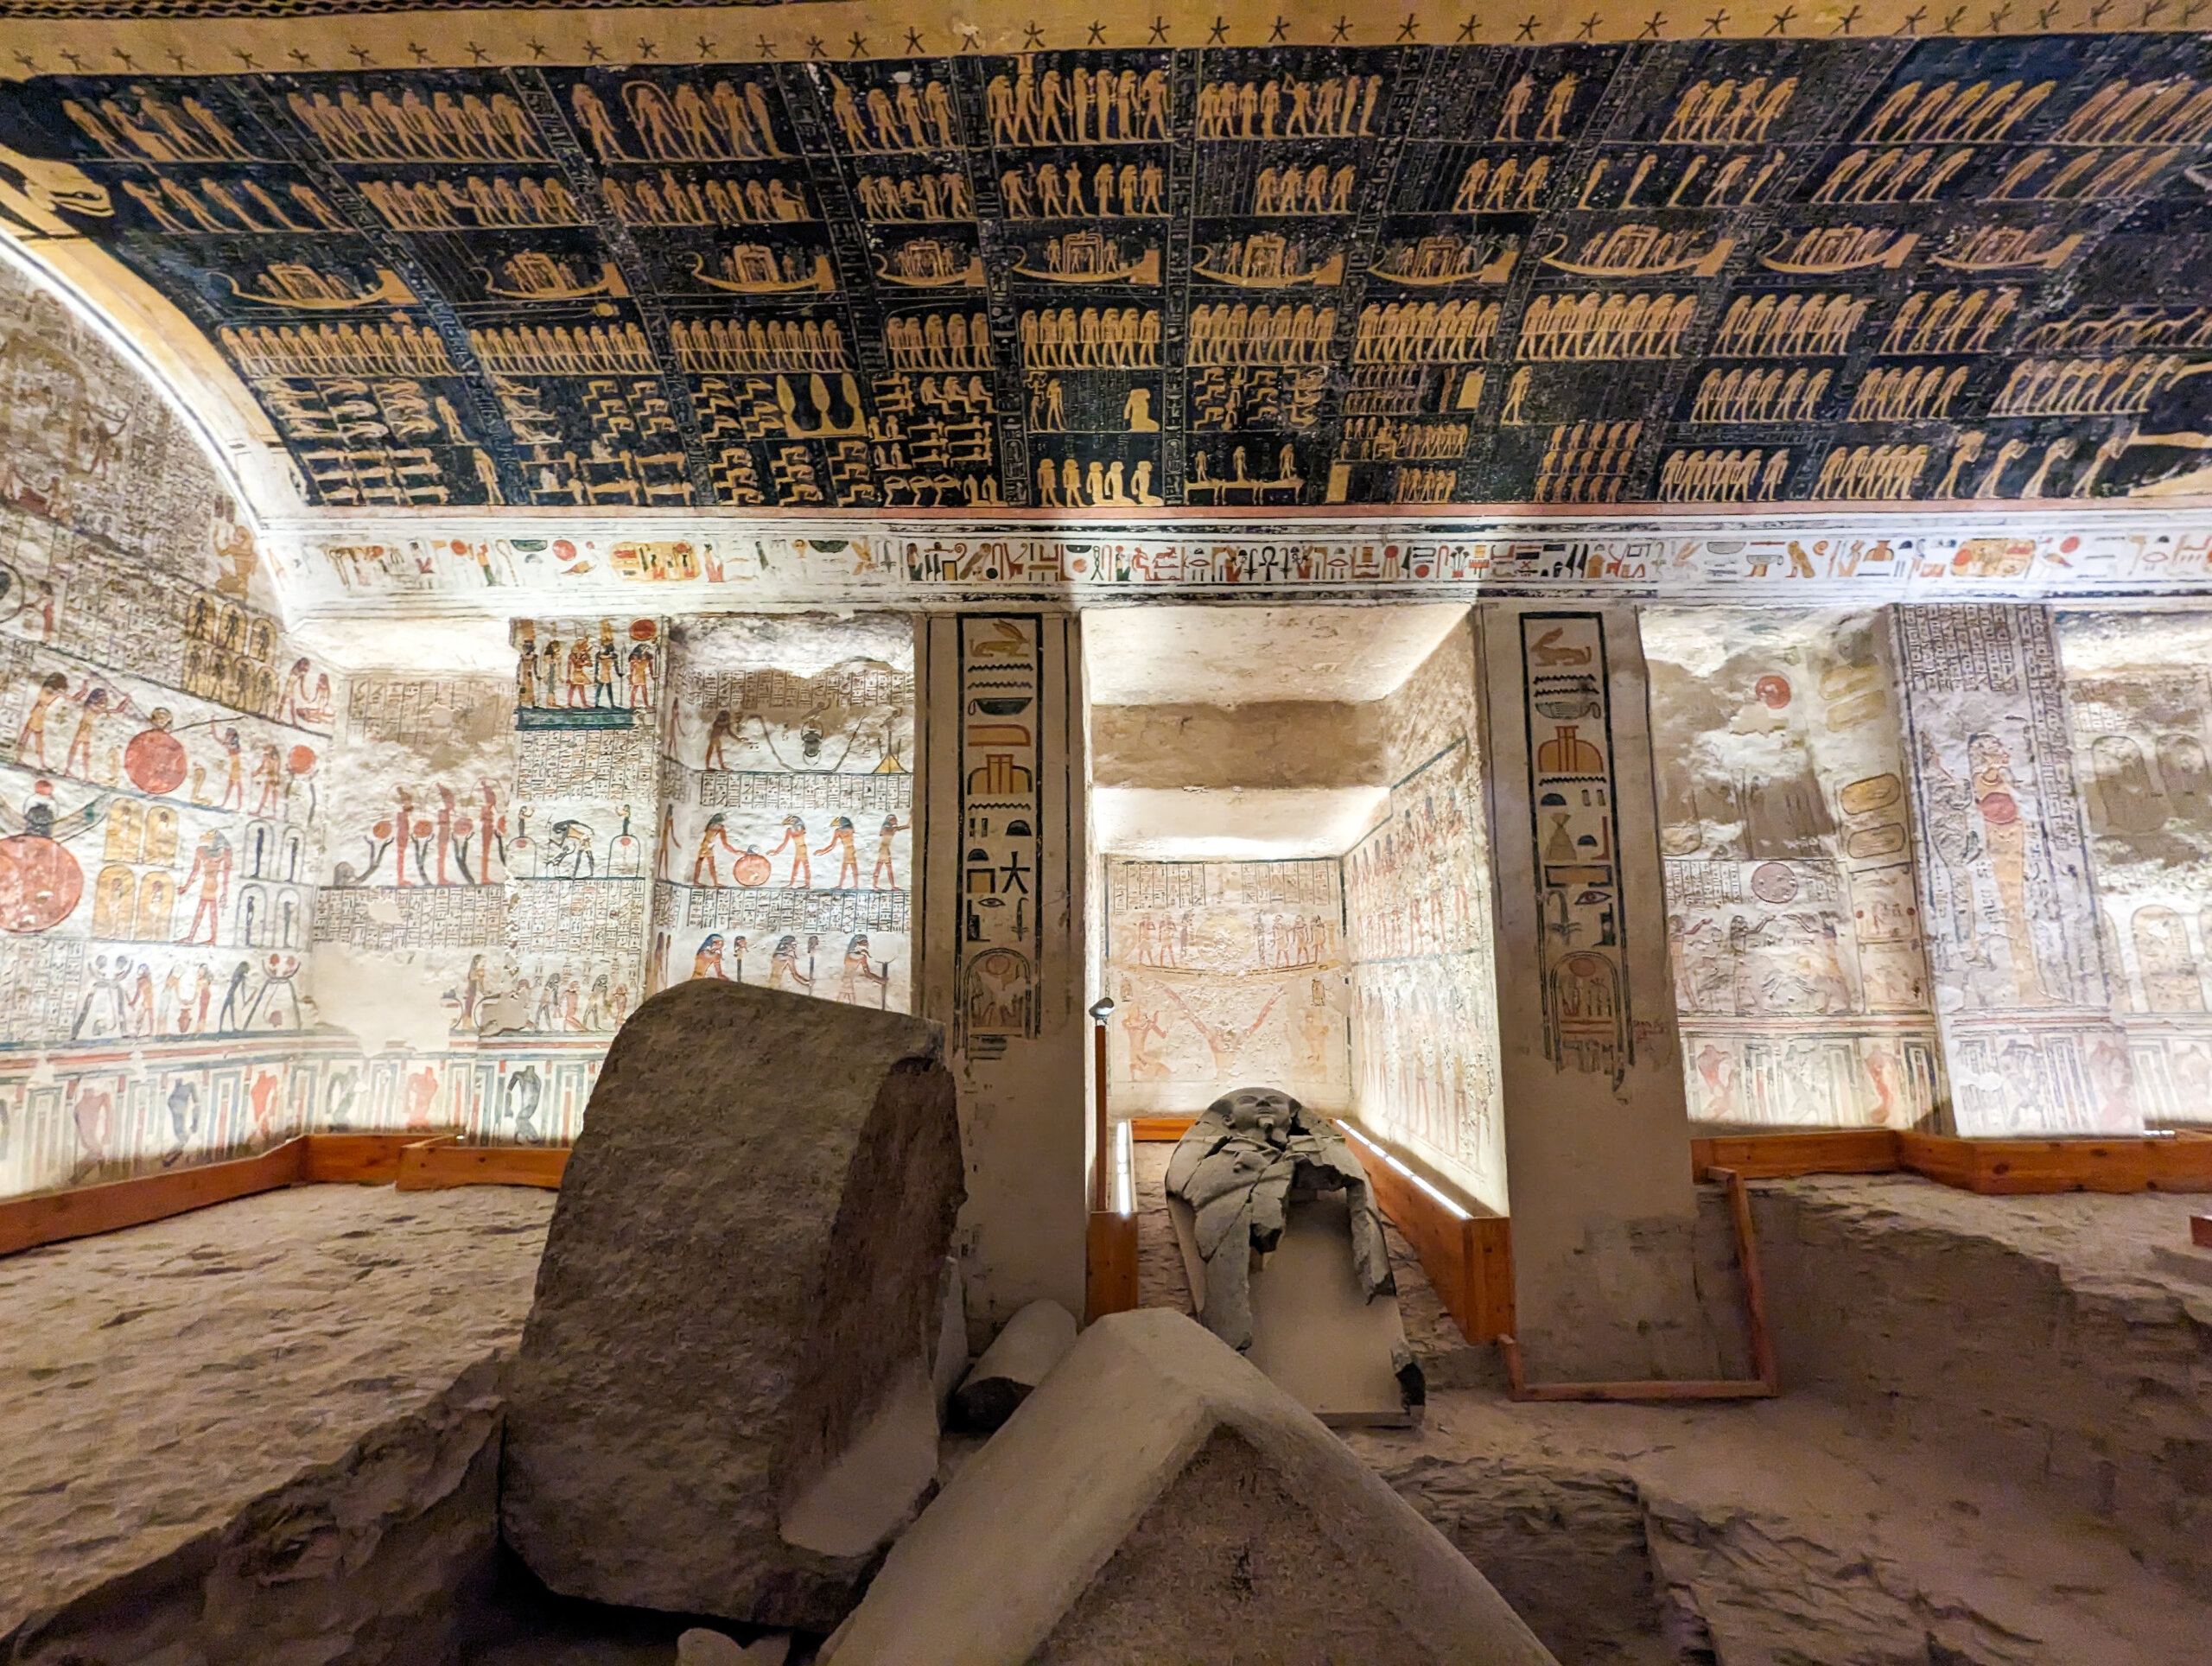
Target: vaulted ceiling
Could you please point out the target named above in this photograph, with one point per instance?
(1235, 277)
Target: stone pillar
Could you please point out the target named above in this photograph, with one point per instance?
(2021, 1001)
(1002, 956)
(1597, 1135)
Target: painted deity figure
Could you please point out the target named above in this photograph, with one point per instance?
(2004, 842)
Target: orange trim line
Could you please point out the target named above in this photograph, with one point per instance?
(411, 1161)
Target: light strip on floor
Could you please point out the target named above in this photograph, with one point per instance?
(1457, 1213)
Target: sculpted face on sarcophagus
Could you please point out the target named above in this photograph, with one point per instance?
(723, 1403)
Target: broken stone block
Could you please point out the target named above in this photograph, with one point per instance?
(1015, 1363)
(722, 1402)
(948, 1359)
(1158, 1498)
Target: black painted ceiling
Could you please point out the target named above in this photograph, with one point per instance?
(1228, 278)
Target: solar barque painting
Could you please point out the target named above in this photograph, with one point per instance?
(1723, 272)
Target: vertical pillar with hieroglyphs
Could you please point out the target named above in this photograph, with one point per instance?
(1596, 1135)
(2021, 997)
(1001, 961)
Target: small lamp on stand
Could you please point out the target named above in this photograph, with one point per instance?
(1101, 1192)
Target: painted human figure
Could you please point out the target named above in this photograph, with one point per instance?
(717, 833)
(523, 1092)
(722, 730)
(234, 1013)
(707, 963)
(579, 672)
(92, 705)
(1716, 1067)
(269, 776)
(30, 741)
(445, 846)
(848, 864)
(2004, 837)
(1140, 1028)
(1313, 1027)
(491, 833)
(211, 872)
(295, 703)
(886, 871)
(92, 1110)
(857, 974)
(100, 1012)
(802, 874)
(233, 771)
(421, 1091)
(606, 668)
(1886, 1075)
(641, 676)
(193, 1020)
(472, 990)
(142, 1004)
(782, 965)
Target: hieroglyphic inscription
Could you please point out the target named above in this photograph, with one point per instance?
(1002, 848)
(740, 790)
(588, 764)
(780, 910)
(385, 920)
(555, 916)
(412, 710)
(1572, 818)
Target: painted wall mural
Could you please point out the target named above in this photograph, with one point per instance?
(1800, 982)
(1424, 998)
(2139, 696)
(163, 755)
(472, 935)
(2009, 919)
(1227, 276)
(785, 834)
(1419, 933)
(1225, 974)
(1797, 559)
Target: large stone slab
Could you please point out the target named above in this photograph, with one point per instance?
(731, 1345)
(1157, 1498)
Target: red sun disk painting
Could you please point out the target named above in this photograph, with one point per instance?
(154, 760)
(40, 883)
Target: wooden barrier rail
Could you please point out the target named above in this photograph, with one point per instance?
(1110, 1264)
(2174, 1162)
(1766, 1385)
(433, 1165)
(1468, 1256)
(411, 1161)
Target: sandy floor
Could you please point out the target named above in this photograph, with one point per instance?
(1822, 1527)
(155, 1381)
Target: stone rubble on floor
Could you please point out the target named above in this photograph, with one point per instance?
(266, 1426)
(1019, 1358)
(723, 1400)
